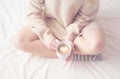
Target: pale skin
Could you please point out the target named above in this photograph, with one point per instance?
(90, 43)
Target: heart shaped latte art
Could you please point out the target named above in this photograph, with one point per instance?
(64, 49)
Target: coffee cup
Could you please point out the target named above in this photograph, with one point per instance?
(63, 49)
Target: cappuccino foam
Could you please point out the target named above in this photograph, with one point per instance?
(64, 49)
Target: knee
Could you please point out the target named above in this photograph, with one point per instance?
(96, 48)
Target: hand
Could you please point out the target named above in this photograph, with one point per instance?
(53, 44)
(72, 52)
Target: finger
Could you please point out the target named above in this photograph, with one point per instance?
(73, 47)
(57, 41)
(54, 44)
(55, 47)
(72, 53)
(70, 57)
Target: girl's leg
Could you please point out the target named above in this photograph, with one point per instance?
(91, 42)
(26, 40)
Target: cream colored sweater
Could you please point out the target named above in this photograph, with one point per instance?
(51, 19)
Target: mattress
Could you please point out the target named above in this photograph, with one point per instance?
(16, 64)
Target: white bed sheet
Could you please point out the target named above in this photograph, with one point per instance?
(15, 64)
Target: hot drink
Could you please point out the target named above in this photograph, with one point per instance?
(64, 49)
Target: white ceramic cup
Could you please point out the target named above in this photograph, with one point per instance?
(65, 43)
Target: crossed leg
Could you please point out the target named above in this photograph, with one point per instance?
(89, 43)
(26, 40)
